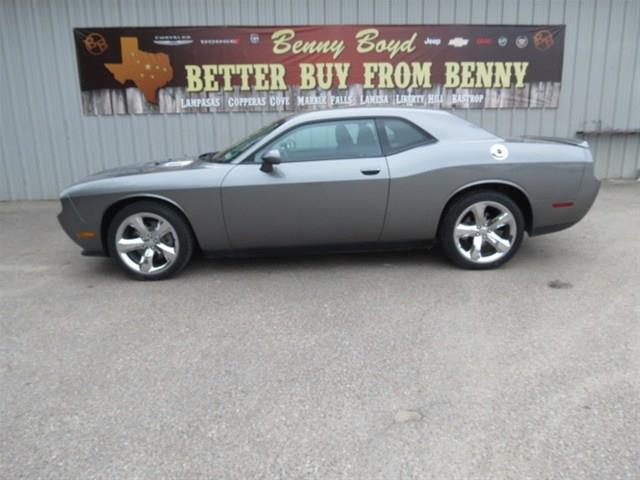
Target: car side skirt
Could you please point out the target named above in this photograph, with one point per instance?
(322, 249)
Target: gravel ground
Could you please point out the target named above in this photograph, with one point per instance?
(391, 365)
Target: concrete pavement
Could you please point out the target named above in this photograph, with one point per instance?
(393, 365)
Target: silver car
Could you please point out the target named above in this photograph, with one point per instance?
(336, 180)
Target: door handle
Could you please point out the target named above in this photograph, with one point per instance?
(372, 171)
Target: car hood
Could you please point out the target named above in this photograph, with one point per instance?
(149, 176)
(148, 167)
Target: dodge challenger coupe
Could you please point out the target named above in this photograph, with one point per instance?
(336, 180)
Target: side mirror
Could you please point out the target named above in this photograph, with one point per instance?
(269, 159)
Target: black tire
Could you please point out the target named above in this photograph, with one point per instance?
(177, 222)
(457, 208)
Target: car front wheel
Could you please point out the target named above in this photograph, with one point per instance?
(481, 230)
(150, 241)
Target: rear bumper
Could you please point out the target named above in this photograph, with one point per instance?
(551, 228)
(562, 218)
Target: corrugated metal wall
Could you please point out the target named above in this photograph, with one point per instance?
(46, 142)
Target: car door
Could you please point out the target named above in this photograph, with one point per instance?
(330, 188)
(416, 180)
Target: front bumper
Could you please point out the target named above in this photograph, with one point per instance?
(73, 225)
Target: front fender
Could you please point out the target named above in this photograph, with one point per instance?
(194, 192)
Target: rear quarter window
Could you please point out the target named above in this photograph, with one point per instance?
(398, 135)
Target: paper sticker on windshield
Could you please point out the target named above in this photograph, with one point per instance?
(499, 151)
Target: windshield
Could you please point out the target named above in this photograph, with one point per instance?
(242, 146)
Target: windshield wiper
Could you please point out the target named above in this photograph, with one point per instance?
(207, 157)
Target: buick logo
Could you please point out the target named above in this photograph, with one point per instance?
(522, 41)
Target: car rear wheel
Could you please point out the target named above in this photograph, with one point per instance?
(150, 241)
(481, 230)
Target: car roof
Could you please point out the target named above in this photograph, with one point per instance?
(365, 111)
(439, 123)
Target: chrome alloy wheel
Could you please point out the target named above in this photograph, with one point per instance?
(147, 243)
(485, 232)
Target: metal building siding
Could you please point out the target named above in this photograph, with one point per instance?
(46, 142)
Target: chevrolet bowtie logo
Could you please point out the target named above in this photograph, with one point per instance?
(458, 42)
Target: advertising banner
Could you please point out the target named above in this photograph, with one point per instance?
(297, 68)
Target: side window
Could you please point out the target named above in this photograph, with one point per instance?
(328, 141)
(402, 135)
